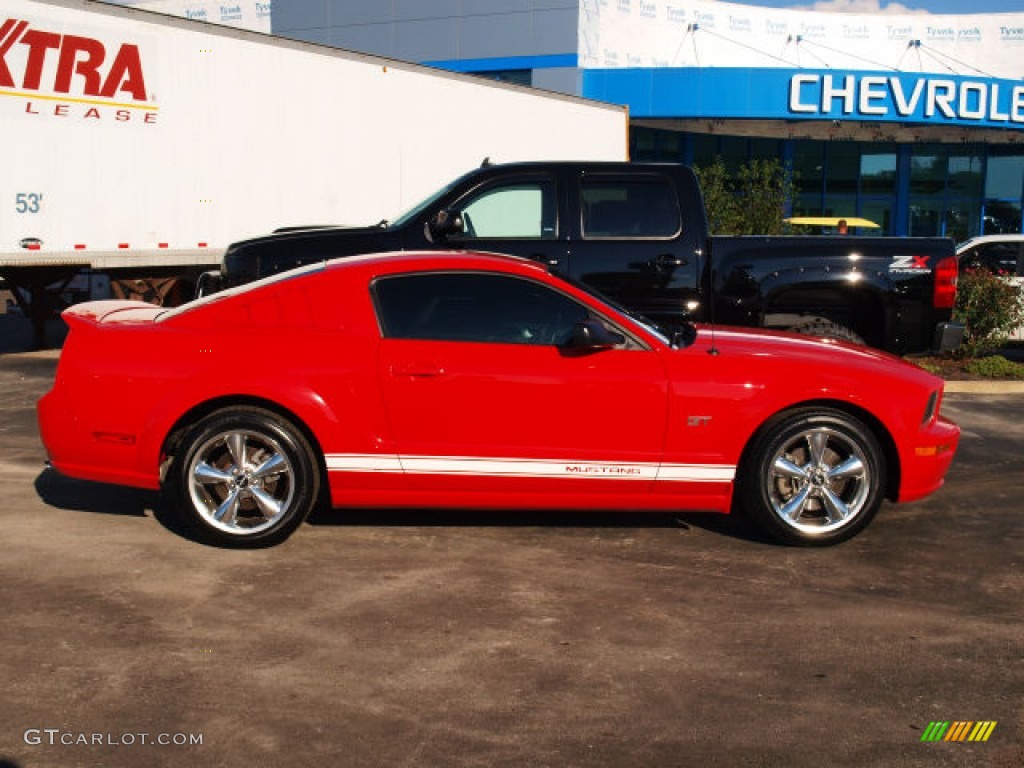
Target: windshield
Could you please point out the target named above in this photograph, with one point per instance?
(429, 202)
(421, 206)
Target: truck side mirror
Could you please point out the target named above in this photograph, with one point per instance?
(593, 335)
(444, 223)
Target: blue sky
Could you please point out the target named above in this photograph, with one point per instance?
(876, 6)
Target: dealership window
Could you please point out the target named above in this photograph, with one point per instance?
(1004, 186)
(928, 174)
(644, 145)
(952, 190)
(966, 175)
(945, 191)
(928, 166)
(650, 145)
(879, 211)
(878, 173)
(809, 166)
(843, 170)
(809, 177)
(705, 147)
(963, 219)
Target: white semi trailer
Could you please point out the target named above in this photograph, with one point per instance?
(138, 145)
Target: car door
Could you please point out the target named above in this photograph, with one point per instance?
(484, 395)
(630, 244)
(517, 215)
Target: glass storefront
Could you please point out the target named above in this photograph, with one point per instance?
(949, 190)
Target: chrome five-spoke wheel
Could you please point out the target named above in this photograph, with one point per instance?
(814, 476)
(242, 481)
(244, 477)
(819, 480)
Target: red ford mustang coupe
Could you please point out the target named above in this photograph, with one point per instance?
(482, 381)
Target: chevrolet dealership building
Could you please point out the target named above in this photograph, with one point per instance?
(915, 122)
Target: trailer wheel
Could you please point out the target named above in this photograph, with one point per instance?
(243, 477)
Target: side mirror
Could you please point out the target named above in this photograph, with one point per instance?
(592, 335)
(444, 223)
(683, 336)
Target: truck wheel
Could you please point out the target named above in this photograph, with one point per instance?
(243, 477)
(827, 329)
(814, 477)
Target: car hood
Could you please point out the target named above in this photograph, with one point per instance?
(770, 349)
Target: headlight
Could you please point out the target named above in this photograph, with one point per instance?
(931, 410)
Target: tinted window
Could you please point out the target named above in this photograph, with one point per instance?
(1001, 258)
(472, 307)
(629, 208)
(524, 209)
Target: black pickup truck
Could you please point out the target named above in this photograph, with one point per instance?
(638, 234)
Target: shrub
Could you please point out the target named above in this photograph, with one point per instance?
(990, 307)
(995, 367)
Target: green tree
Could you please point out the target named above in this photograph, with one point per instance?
(749, 201)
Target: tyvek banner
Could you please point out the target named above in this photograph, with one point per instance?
(696, 33)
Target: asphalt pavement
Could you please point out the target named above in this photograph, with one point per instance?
(507, 639)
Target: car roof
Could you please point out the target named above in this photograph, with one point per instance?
(425, 261)
(982, 239)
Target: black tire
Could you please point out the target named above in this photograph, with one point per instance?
(243, 477)
(812, 477)
(819, 326)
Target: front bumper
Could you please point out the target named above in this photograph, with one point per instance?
(927, 459)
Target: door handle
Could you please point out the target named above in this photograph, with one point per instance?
(417, 369)
(668, 260)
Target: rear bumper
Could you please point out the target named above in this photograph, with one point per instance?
(76, 451)
(927, 459)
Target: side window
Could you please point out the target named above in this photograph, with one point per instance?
(631, 208)
(525, 209)
(500, 309)
(1000, 258)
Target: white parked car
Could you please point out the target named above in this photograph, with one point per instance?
(1002, 254)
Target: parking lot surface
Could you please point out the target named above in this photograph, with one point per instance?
(443, 639)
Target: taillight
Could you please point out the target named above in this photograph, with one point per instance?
(945, 284)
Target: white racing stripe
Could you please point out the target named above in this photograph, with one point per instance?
(536, 468)
(369, 462)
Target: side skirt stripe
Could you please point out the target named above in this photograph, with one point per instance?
(535, 468)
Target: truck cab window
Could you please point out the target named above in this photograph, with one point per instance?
(524, 210)
(631, 208)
